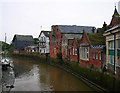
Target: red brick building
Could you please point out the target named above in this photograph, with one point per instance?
(67, 43)
(58, 31)
(92, 50)
(75, 50)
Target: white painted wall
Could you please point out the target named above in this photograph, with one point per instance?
(47, 48)
(119, 7)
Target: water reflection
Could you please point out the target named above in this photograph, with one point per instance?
(35, 76)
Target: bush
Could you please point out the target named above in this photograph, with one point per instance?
(59, 56)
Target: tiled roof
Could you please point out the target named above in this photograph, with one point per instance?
(46, 33)
(98, 47)
(113, 28)
(23, 37)
(96, 39)
(75, 29)
(72, 36)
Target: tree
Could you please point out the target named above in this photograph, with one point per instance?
(36, 40)
(11, 48)
(5, 46)
(59, 56)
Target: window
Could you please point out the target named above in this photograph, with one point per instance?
(70, 52)
(118, 52)
(111, 44)
(111, 59)
(84, 53)
(41, 38)
(73, 51)
(87, 55)
(44, 50)
(100, 56)
(118, 61)
(57, 43)
(96, 55)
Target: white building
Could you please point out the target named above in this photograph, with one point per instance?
(119, 7)
(44, 42)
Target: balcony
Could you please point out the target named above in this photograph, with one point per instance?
(43, 46)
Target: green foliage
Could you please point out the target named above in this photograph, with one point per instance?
(10, 50)
(101, 79)
(36, 40)
(59, 56)
(5, 46)
(104, 69)
(91, 66)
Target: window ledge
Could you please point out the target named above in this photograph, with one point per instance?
(84, 59)
(110, 64)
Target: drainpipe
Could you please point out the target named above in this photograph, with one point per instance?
(114, 54)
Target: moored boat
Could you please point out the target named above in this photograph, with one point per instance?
(5, 62)
(8, 75)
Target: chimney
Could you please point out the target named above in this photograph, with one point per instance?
(93, 30)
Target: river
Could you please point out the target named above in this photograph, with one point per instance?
(31, 75)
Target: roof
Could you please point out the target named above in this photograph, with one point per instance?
(115, 19)
(116, 14)
(23, 37)
(72, 36)
(96, 39)
(113, 28)
(75, 29)
(46, 33)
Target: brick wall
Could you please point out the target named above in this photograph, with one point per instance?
(55, 42)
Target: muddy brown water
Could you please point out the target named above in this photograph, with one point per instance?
(31, 75)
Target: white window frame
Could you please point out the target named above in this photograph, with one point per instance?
(97, 56)
(84, 53)
(111, 59)
(73, 51)
(100, 56)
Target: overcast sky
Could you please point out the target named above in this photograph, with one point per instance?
(29, 17)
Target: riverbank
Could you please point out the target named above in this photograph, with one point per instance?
(93, 79)
(0, 78)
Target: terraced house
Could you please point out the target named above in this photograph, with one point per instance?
(67, 46)
(92, 50)
(58, 31)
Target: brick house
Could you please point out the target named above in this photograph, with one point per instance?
(57, 34)
(75, 49)
(92, 50)
(67, 42)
